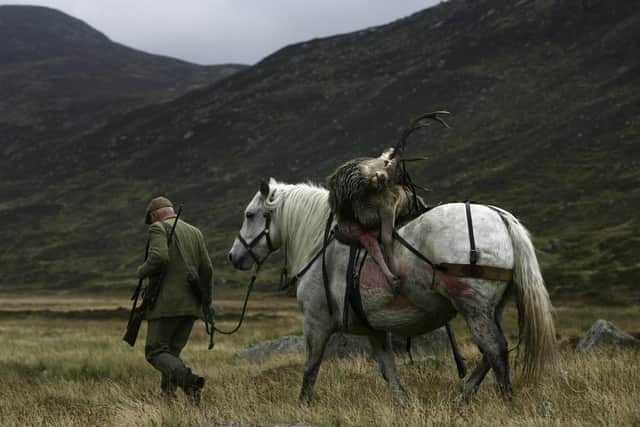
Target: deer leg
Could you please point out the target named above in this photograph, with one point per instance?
(387, 223)
(372, 246)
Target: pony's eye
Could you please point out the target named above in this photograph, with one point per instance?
(250, 215)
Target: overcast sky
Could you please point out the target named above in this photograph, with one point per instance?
(222, 31)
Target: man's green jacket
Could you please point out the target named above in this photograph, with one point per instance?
(188, 253)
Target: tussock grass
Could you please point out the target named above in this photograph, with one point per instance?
(77, 373)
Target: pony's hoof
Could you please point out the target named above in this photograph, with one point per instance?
(305, 400)
(467, 395)
(403, 398)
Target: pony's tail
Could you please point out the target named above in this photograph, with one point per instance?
(535, 318)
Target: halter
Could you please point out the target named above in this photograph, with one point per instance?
(264, 233)
(249, 246)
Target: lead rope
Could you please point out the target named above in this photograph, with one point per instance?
(244, 307)
(209, 322)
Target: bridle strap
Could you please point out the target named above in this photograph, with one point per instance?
(264, 233)
(249, 247)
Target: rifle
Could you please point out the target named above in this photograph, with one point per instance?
(149, 294)
(202, 292)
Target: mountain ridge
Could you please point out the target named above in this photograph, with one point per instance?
(62, 78)
(32, 33)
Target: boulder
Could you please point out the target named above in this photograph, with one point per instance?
(343, 345)
(289, 344)
(603, 333)
(433, 343)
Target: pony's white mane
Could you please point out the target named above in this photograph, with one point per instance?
(300, 212)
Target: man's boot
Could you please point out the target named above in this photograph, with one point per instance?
(192, 385)
(168, 387)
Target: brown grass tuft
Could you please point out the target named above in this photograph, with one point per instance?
(77, 373)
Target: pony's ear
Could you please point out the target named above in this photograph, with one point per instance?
(264, 188)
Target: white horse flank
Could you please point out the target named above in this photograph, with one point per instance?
(295, 218)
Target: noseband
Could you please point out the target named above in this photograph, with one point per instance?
(264, 233)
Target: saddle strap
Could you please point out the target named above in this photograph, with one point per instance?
(476, 271)
(459, 270)
(325, 274)
(473, 253)
(352, 297)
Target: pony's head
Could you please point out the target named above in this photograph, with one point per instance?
(259, 234)
(292, 216)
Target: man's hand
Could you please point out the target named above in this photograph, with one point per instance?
(139, 273)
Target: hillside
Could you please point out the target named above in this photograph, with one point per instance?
(62, 78)
(546, 119)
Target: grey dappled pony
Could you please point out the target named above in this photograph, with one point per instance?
(295, 218)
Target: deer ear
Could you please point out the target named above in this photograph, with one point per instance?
(264, 188)
(388, 154)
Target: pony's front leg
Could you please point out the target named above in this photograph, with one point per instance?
(316, 336)
(383, 352)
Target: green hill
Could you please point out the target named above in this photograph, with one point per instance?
(546, 119)
(62, 79)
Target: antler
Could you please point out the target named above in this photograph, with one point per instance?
(419, 123)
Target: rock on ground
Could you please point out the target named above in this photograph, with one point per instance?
(289, 344)
(343, 345)
(433, 343)
(603, 333)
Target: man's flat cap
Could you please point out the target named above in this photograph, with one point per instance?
(155, 204)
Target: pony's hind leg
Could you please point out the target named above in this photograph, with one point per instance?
(383, 352)
(316, 339)
(473, 382)
(488, 335)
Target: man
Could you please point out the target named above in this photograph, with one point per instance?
(171, 319)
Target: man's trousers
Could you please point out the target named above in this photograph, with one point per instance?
(166, 337)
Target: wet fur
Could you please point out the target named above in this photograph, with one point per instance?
(357, 195)
(367, 193)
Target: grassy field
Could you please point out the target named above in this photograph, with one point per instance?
(55, 370)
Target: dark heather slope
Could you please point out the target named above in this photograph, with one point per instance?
(545, 123)
(62, 78)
